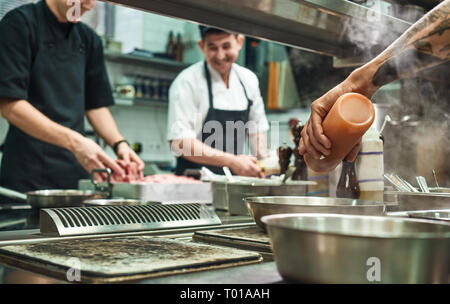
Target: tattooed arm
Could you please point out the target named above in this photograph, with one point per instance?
(426, 43)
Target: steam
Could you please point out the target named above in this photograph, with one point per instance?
(417, 139)
(368, 35)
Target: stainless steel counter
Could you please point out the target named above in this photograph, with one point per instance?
(261, 273)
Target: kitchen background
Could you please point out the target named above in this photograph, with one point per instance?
(141, 63)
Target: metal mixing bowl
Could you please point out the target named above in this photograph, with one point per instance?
(336, 248)
(260, 206)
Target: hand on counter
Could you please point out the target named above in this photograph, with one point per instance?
(245, 165)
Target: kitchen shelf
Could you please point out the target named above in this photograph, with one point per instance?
(144, 60)
(124, 101)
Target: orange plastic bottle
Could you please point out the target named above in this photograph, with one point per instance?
(347, 121)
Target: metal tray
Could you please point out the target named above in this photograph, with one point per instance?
(338, 248)
(120, 259)
(165, 193)
(267, 205)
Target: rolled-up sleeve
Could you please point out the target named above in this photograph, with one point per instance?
(184, 120)
(15, 56)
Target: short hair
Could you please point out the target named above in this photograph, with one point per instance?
(204, 30)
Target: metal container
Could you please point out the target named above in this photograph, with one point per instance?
(262, 206)
(409, 201)
(230, 196)
(172, 193)
(336, 248)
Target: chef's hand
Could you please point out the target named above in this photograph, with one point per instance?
(125, 153)
(91, 156)
(314, 143)
(245, 165)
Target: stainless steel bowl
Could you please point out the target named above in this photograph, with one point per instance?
(260, 206)
(117, 202)
(337, 248)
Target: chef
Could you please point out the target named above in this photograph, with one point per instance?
(52, 74)
(210, 102)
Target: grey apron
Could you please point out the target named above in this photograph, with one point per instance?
(229, 136)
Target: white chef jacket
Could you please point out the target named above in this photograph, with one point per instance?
(189, 101)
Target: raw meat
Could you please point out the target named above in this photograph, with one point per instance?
(132, 175)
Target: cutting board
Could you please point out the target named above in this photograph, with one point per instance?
(122, 258)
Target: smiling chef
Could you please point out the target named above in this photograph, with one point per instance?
(209, 102)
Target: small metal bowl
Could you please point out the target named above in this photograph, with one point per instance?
(338, 248)
(117, 202)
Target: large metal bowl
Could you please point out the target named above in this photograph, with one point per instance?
(337, 248)
(266, 205)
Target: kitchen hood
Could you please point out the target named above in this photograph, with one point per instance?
(338, 28)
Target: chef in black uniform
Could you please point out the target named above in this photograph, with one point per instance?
(207, 100)
(52, 73)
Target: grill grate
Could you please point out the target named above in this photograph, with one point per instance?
(108, 219)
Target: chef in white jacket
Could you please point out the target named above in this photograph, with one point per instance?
(213, 105)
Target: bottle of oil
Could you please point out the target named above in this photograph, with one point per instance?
(170, 46)
(348, 186)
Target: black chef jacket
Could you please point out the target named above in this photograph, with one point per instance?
(59, 68)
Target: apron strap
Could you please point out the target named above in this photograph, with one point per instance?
(208, 82)
(210, 95)
(250, 102)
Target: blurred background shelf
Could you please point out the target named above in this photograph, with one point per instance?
(124, 101)
(145, 60)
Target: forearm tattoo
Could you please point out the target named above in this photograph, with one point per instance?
(425, 44)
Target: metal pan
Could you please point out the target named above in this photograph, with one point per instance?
(411, 201)
(260, 206)
(439, 215)
(339, 248)
(117, 202)
(53, 198)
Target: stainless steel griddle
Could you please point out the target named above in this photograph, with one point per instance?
(119, 259)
